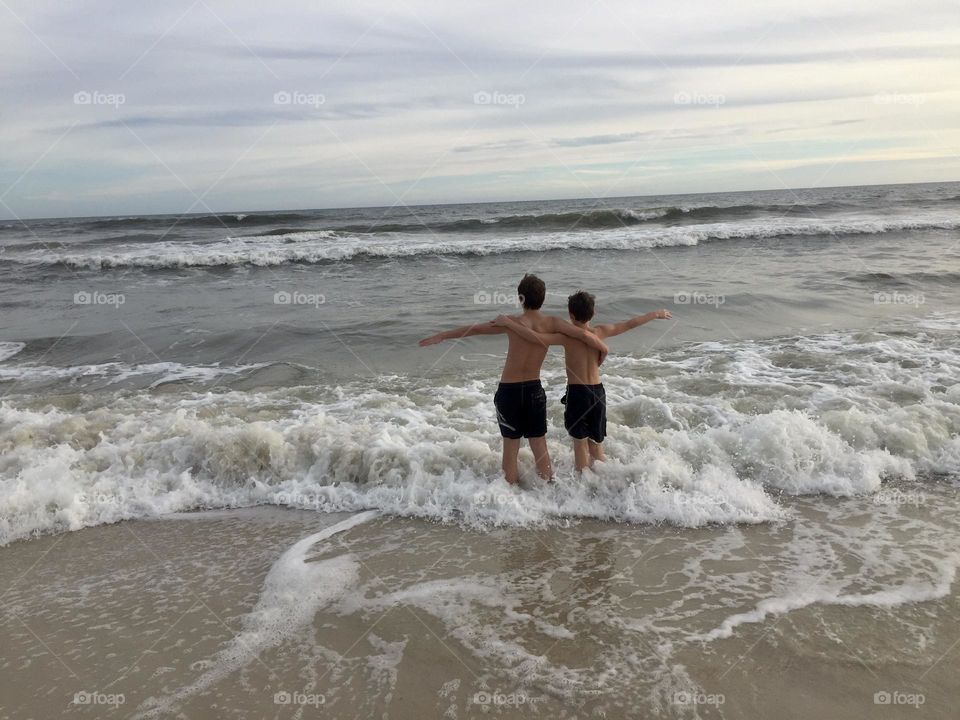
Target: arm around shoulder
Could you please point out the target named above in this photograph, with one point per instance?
(510, 324)
(585, 336)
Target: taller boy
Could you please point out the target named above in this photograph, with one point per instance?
(520, 400)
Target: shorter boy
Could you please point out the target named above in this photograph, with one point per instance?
(585, 416)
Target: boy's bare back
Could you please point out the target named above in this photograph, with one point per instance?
(583, 362)
(525, 357)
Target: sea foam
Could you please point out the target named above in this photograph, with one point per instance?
(293, 591)
(418, 448)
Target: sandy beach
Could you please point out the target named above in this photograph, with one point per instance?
(277, 613)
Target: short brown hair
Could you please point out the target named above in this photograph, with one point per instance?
(580, 305)
(532, 291)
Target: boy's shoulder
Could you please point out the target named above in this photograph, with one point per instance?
(539, 322)
(551, 321)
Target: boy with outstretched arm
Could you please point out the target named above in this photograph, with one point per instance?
(585, 416)
(520, 400)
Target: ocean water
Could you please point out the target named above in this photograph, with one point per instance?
(158, 364)
(782, 475)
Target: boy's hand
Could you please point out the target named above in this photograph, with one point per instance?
(663, 314)
(432, 340)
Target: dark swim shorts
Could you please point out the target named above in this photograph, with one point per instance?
(586, 412)
(521, 409)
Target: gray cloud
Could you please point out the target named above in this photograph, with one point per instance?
(592, 90)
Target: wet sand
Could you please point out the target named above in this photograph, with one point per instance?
(220, 615)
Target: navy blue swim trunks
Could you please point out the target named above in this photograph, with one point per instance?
(586, 413)
(521, 409)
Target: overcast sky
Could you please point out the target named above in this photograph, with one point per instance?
(134, 107)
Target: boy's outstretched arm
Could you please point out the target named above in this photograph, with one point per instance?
(483, 328)
(612, 329)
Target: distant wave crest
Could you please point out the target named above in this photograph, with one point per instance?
(326, 246)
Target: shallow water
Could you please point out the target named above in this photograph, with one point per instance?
(698, 433)
(247, 612)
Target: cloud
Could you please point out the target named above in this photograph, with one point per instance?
(659, 97)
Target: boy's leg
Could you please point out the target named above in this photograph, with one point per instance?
(581, 454)
(511, 470)
(596, 452)
(542, 457)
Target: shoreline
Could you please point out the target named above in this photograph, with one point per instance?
(243, 612)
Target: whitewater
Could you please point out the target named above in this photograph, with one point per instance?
(331, 246)
(678, 454)
(270, 358)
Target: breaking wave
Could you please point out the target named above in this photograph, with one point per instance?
(327, 246)
(707, 433)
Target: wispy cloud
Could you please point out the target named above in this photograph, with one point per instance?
(452, 102)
